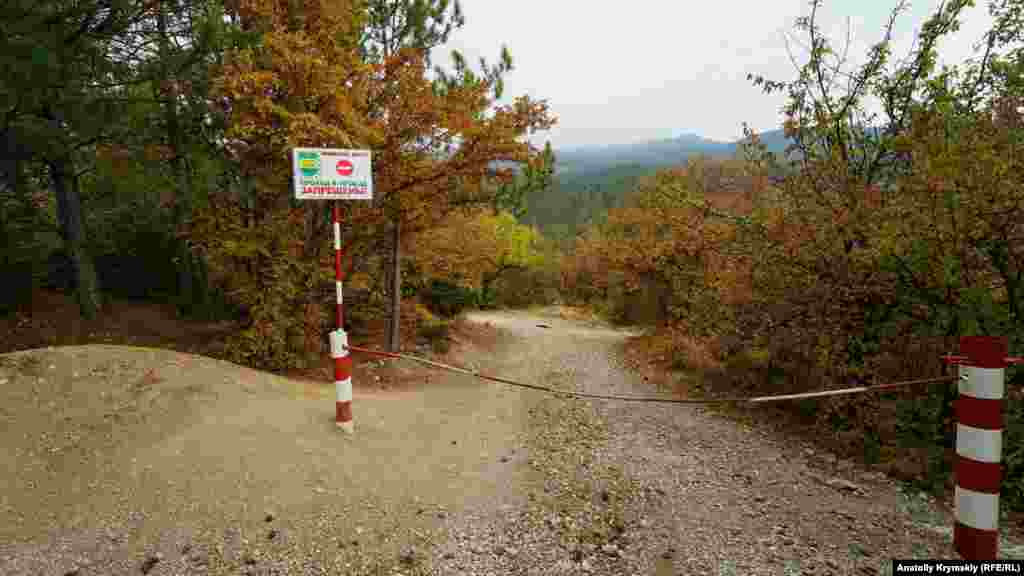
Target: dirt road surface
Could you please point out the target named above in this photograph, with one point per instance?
(120, 460)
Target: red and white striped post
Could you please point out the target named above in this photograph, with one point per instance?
(339, 344)
(979, 446)
(334, 174)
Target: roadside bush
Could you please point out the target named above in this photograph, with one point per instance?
(447, 299)
(16, 289)
(1013, 446)
(436, 333)
(260, 268)
(434, 329)
(923, 427)
(440, 346)
(25, 241)
(926, 425)
(487, 298)
(523, 288)
(134, 250)
(423, 315)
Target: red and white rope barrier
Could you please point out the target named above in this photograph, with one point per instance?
(339, 344)
(979, 446)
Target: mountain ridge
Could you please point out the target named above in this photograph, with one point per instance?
(659, 152)
(591, 180)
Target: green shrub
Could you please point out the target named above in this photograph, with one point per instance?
(16, 289)
(436, 332)
(447, 299)
(207, 302)
(924, 424)
(1013, 448)
(25, 240)
(523, 288)
(432, 330)
(486, 298)
(441, 345)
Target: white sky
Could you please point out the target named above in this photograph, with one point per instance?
(619, 72)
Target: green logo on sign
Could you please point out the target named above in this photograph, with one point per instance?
(309, 163)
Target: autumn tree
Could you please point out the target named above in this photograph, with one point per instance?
(476, 248)
(391, 26)
(671, 251)
(399, 34)
(443, 158)
(307, 84)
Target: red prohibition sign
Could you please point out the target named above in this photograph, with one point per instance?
(344, 167)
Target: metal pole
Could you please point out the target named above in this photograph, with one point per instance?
(979, 446)
(339, 342)
(339, 307)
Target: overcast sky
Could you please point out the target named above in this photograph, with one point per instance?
(619, 72)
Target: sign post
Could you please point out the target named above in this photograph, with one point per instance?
(335, 174)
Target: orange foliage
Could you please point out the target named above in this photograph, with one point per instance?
(307, 84)
(677, 231)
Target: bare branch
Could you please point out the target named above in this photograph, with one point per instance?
(792, 59)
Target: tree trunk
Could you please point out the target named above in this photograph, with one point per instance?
(69, 211)
(394, 328)
(10, 170)
(10, 164)
(182, 182)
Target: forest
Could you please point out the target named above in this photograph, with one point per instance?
(589, 181)
(146, 156)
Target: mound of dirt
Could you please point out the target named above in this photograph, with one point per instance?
(155, 446)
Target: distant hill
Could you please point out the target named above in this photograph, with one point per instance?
(653, 153)
(776, 141)
(591, 180)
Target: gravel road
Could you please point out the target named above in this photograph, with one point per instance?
(123, 460)
(642, 488)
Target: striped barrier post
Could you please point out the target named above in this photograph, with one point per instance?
(339, 343)
(979, 443)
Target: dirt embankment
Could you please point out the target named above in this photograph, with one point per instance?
(114, 455)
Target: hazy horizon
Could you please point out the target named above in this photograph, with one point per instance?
(660, 70)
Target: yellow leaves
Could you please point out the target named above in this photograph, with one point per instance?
(680, 229)
(360, 281)
(289, 90)
(157, 152)
(475, 246)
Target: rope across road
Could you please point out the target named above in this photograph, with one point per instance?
(752, 400)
